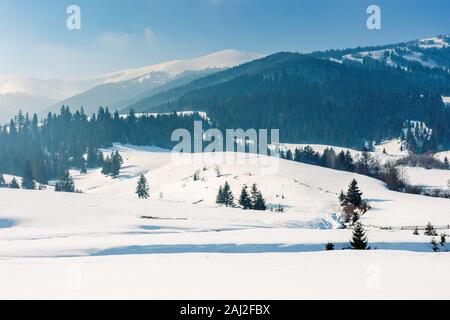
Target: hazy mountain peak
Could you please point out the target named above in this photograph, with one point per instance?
(216, 60)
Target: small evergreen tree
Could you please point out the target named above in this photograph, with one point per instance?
(289, 155)
(142, 189)
(257, 199)
(28, 179)
(342, 198)
(116, 165)
(228, 198)
(446, 162)
(329, 246)
(107, 164)
(359, 239)
(430, 230)
(416, 231)
(244, 199)
(83, 169)
(220, 197)
(14, 184)
(354, 196)
(66, 184)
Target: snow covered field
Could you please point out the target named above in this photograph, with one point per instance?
(106, 243)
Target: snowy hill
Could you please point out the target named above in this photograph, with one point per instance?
(429, 52)
(107, 232)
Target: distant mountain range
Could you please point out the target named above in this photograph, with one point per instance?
(341, 97)
(116, 90)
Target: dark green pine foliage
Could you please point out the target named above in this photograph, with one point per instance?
(257, 199)
(2, 181)
(28, 178)
(225, 196)
(112, 165)
(342, 198)
(220, 197)
(359, 239)
(336, 104)
(14, 184)
(244, 199)
(83, 168)
(66, 184)
(107, 164)
(142, 189)
(430, 230)
(228, 198)
(116, 164)
(60, 141)
(354, 196)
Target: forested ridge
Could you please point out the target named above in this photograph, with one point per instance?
(50, 147)
(318, 101)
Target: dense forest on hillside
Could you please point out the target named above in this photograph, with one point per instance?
(317, 101)
(66, 140)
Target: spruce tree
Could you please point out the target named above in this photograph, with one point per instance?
(354, 196)
(289, 155)
(83, 168)
(220, 197)
(28, 179)
(446, 162)
(430, 230)
(116, 164)
(14, 184)
(257, 200)
(228, 198)
(107, 166)
(142, 189)
(359, 239)
(66, 184)
(342, 198)
(244, 199)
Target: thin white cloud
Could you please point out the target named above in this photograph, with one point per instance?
(116, 39)
(149, 34)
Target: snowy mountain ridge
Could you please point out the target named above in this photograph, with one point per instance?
(61, 90)
(425, 52)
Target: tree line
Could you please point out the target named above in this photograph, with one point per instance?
(44, 150)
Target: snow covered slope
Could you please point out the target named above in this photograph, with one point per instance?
(217, 60)
(78, 243)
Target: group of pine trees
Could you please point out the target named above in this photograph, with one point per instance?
(112, 165)
(390, 173)
(65, 184)
(46, 148)
(252, 200)
(13, 184)
(342, 161)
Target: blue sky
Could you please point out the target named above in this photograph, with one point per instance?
(119, 34)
